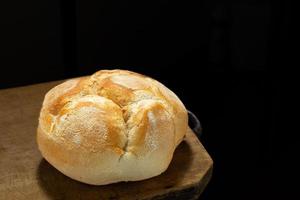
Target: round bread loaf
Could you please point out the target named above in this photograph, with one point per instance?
(113, 126)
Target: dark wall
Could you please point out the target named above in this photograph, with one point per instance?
(56, 39)
(224, 60)
(148, 36)
(30, 42)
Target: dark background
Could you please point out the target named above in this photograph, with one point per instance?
(223, 59)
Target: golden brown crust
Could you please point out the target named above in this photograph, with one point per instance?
(59, 102)
(95, 129)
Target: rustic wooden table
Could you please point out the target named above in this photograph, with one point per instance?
(24, 174)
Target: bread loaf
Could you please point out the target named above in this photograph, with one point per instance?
(113, 126)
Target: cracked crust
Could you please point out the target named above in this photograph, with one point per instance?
(113, 126)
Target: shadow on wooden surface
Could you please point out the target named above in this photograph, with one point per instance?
(58, 186)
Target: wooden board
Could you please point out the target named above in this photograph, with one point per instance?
(24, 174)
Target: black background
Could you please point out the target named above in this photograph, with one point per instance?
(223, 59)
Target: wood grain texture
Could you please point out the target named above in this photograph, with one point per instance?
(24, 174)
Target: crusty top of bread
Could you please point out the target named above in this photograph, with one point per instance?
(95, 129)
